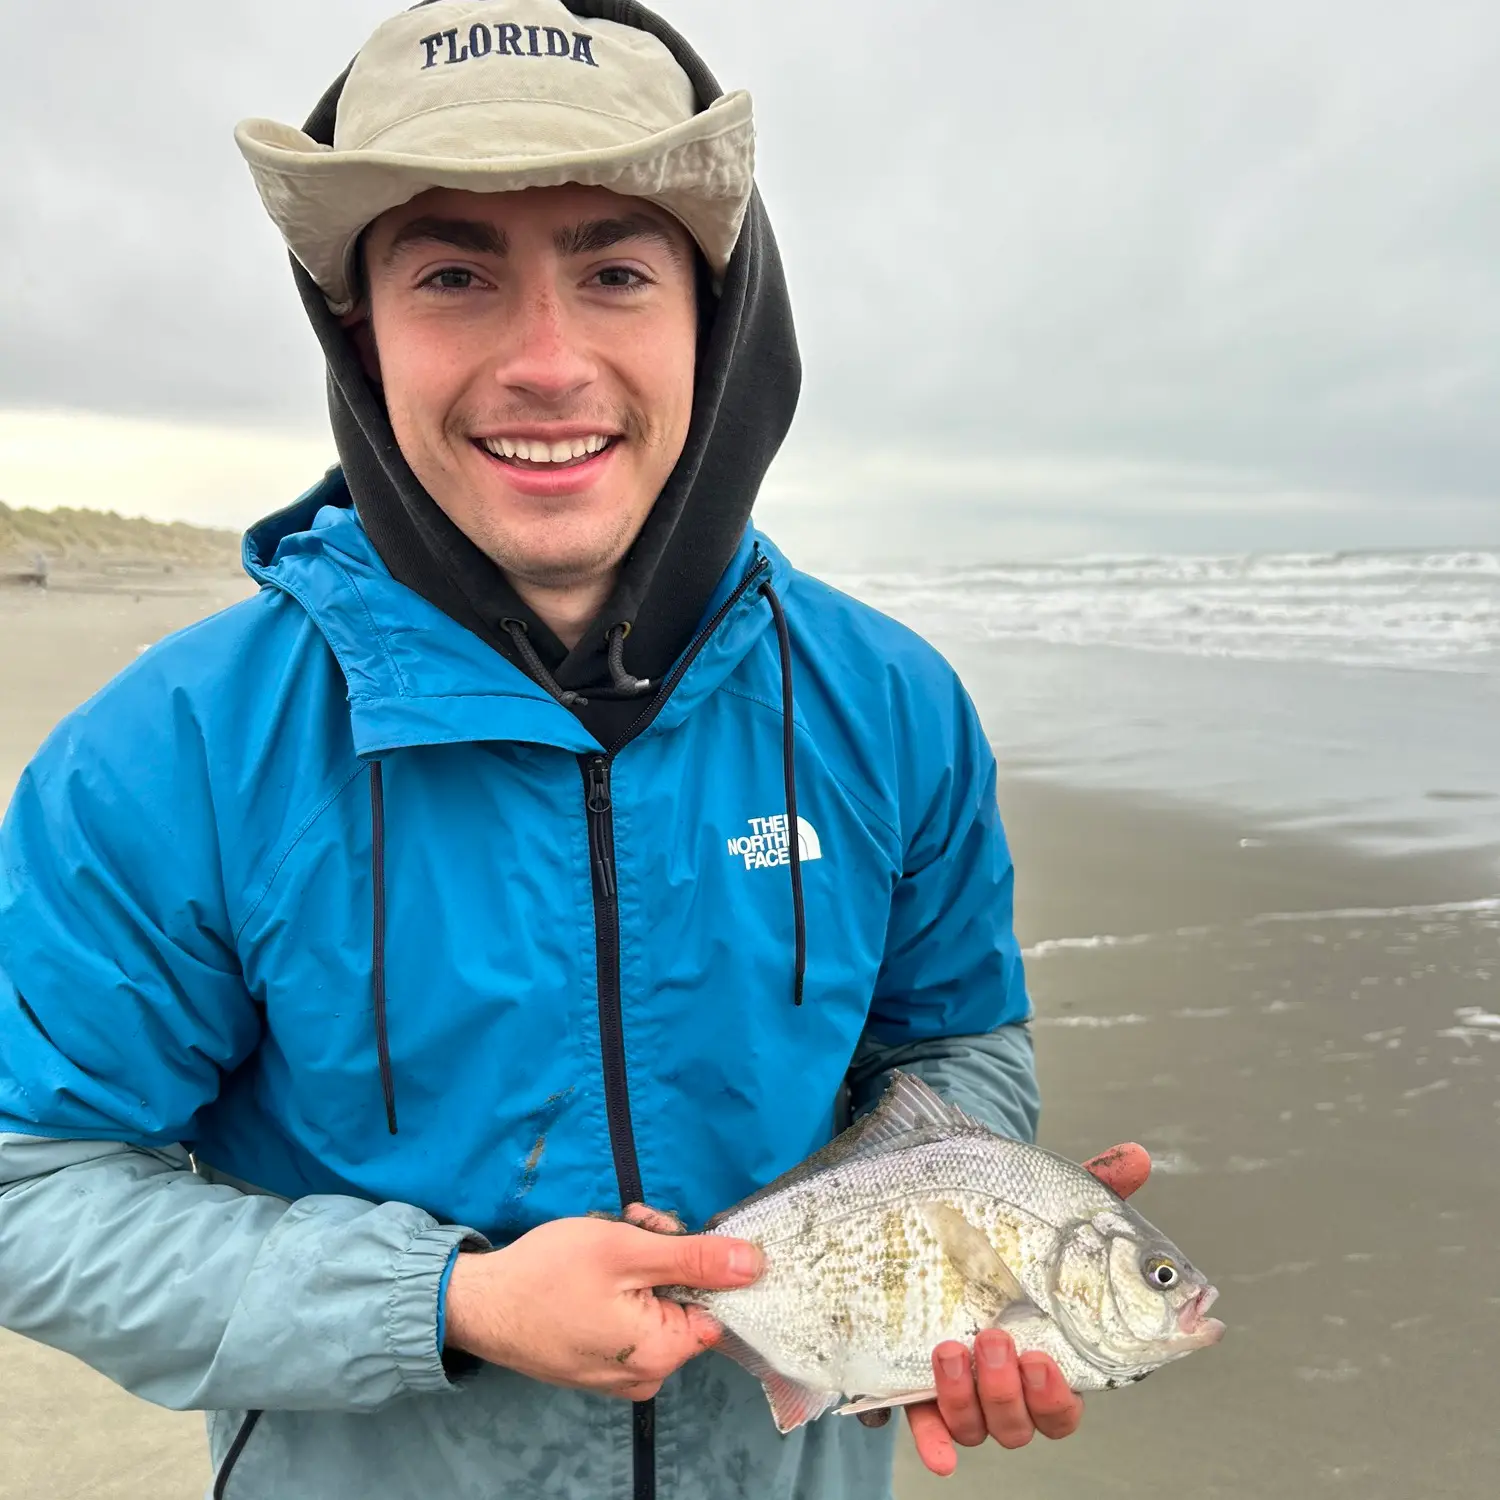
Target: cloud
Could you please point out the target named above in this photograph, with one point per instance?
(1165, 240)
(882, 506)
(210, 474)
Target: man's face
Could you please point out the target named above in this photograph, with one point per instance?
(513, 331)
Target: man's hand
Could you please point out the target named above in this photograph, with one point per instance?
(995, 1394)
(571, 1303)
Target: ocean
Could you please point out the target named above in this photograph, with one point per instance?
(1255, 808)
(1355, 694)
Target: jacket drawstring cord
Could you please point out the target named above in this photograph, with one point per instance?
(789, 779)
(626, 685)
(377, 942)
(517, 631)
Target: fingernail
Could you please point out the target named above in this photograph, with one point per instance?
(953, 1366)
(994, 1353)
(744, 1260)
(1034, 1375)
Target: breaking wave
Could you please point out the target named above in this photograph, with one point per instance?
(1423, 609)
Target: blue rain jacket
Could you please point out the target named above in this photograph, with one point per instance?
(203, 886)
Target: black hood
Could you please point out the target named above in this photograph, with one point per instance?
(748, 378)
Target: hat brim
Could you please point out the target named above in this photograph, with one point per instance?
(701, 171)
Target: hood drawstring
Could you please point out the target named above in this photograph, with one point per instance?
(626, 685)
(377, 942)
(789, 779)
(517, 631)
(623, 685)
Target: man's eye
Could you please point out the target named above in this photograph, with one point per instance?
(451, 279)
(622, 278)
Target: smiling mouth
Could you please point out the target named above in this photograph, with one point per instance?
(539, 457)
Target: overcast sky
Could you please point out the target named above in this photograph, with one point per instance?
(1082, 276)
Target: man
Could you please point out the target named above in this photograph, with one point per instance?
(537, 842)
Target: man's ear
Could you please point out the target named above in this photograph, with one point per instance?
(361, 331)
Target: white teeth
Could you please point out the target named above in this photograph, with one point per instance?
(544, 453)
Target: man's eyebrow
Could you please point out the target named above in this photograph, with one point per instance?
(602, 234)
(473, 235)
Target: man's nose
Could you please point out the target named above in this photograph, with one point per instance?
(543, 355)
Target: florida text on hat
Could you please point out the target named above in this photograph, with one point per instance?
(493, 97)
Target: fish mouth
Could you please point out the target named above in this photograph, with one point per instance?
(1198, 1330)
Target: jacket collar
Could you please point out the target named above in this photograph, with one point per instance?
(416, 677)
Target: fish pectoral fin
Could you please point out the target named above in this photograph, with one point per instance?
(792, 1403)
(994, 1289)
(882, 1403)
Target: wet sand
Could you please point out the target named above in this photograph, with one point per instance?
(1316, 1067)
(64, 642)
(1320, 1090)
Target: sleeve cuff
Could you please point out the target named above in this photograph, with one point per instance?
(414, 1314)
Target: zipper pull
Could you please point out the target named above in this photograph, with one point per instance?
(598, 785)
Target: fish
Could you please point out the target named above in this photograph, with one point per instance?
(920, 1224)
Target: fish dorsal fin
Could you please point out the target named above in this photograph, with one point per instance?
(907, 1110)
(908, 1105)
(992, 1289)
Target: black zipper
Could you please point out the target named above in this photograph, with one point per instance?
(599, 805)
(761, 565)
(607, 956)
(596, 795)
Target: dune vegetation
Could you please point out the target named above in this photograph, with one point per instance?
(65, 537)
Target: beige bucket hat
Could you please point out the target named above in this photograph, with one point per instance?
(493, 97)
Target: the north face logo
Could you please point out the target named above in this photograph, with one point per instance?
(766, 844)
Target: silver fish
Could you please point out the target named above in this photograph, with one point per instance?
(918, 1225)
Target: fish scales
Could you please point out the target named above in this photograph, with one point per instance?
(855, 1243)
(921, 1225)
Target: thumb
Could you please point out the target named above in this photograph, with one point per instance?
(704, 1262)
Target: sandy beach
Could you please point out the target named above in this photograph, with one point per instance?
(1305, 1038)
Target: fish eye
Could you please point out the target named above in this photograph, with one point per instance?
(1161, 1271)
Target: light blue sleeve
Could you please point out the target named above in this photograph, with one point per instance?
(122, 1007)
(991, 1076)
(950, 1003)
(198, 1296)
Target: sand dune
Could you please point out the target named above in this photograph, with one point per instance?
(67, 540)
